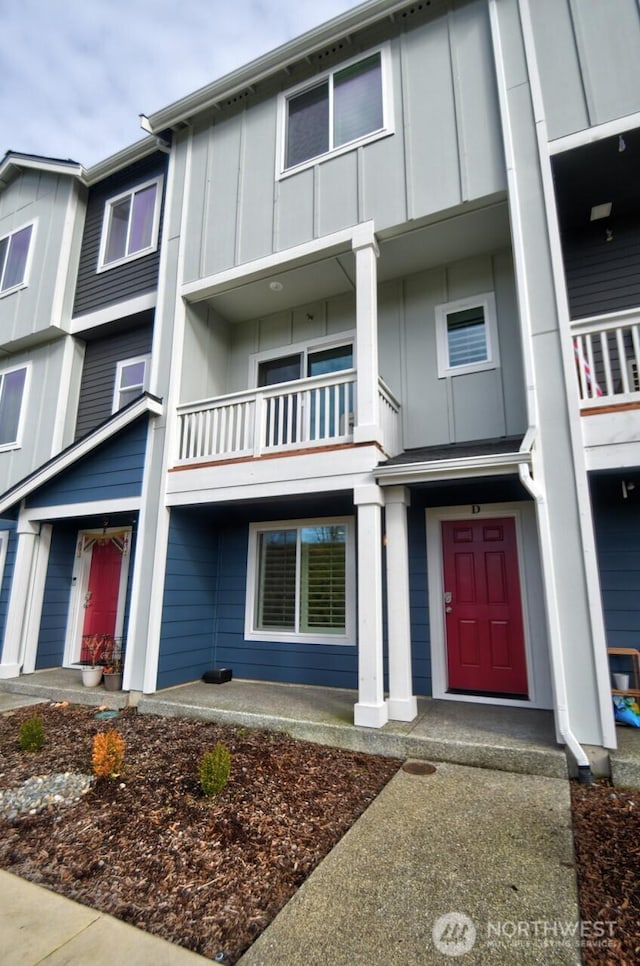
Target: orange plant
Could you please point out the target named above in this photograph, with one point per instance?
(108, 753)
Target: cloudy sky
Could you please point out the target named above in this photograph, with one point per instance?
(77, 73)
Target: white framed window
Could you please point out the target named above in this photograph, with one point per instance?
(13, 385)
(337, 110)
(467, 335)
(15, 250)
(130, 225)
(301, 581)
(302, 360)
(131, 380)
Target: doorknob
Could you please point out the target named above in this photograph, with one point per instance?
(448, 610)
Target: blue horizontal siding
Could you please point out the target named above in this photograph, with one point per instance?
(8, 533)
(204, 609)
(617, 530)
(418, 601)
(113, 471)
(55, 606)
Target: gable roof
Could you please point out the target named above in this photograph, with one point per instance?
(145, 404)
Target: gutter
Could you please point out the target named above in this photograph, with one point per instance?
(585, 775)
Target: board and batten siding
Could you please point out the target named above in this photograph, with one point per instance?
(113, 471)
(204, 608)
(100, 363)
(95, 290)
(446, 149)
(47, 201)
(588, 55)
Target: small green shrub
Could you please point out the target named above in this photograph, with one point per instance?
(214, 769)
(31, 736)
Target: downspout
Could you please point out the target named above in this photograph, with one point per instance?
(561, 702)
(585, 775)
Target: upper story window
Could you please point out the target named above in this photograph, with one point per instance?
(466, 335)
(130, 227)
(131, 380)
(12, 390)
(338, 110)
(14, 257)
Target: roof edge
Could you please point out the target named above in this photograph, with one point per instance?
(267, 64)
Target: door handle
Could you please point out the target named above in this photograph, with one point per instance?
(448, 610)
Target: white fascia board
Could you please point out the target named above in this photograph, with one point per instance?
(499, 465)
(591, 134)
(15, 162)
(121, 159)
(271, 63)
(119, 310)
(82, 448)
(64, 511)
(337, 243)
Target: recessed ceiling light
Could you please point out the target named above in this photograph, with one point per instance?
(276, 286)
(601, 211)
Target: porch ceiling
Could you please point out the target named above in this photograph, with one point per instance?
(406, 250)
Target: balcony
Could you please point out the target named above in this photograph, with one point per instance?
(302, 415)
(607, 353)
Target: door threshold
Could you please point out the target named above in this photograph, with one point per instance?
(498, 695)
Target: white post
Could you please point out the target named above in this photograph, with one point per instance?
(19, 600)
(367, 427)
(402, 704)
(371, 709)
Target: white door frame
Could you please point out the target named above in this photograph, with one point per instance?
(531, 594)
(79, 587)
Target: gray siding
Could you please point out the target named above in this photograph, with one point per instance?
(98, 377)
(603, 277)
(446, 148)
(98, 289)
(589, 60)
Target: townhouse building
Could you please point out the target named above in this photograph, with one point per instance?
(358, 397)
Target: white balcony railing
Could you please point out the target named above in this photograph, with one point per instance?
(276, 419)
(607, 354)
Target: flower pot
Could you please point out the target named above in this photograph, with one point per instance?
(91, 676)
(112, 680)
(621, 682)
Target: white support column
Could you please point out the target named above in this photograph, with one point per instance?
(371, 709)
(402, 703)
(13, 650)
(365, 248)
(33, 614)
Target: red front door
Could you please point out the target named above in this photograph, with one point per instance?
(103, 589)
(483, 607)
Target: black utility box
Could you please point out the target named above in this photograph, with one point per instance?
(219, 675)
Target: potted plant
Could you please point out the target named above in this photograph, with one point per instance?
(113, 665)
(91, 661)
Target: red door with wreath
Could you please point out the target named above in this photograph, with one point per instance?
(483, 607)
(103, 590)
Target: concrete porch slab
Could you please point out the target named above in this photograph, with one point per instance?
(487, 736)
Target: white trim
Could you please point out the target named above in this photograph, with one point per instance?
(17, 442)
(4, 543)
(118, 388)
(73, 453)
(486, 301)
(297, 637)
(65, 511)
(24, 281)
(302, 349)
(388, 128)
(539, 696)
(587, 136)
(35, 599)
(79, 585)
(498, 464)
(81, 323)
(240, 275)
(106, 222)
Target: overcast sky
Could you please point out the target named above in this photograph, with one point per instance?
(77, 73)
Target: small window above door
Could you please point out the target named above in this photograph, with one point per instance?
(467, 335)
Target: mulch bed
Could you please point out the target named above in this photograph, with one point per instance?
(606, 829)
(150, 849)
(210, 874)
